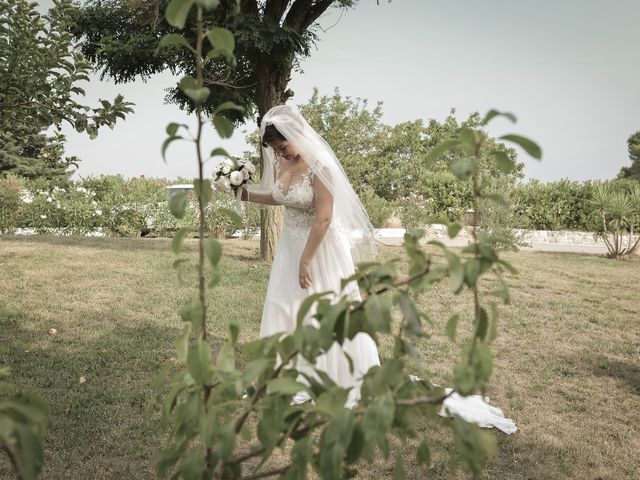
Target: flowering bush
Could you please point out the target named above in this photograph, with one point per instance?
(112, 205)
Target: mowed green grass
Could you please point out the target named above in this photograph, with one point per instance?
(566, 359)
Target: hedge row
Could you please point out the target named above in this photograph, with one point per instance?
(138, 206)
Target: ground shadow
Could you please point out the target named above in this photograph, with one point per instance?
(106, 425)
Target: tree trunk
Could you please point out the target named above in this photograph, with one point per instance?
(271, 91)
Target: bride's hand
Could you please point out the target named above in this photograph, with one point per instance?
(304, 277)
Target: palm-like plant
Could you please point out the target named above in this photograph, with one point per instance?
(616, 214)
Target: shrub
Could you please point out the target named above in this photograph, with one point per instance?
(378, 208)
(615, 214)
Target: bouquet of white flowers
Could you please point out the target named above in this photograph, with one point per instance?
(231, 174)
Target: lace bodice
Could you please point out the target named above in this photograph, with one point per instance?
(299, 210)
(298, 200)
(300, 192)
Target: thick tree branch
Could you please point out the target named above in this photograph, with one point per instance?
(297, 14)
(275, 9)
(317, 10)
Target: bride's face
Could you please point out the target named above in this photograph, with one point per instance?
(284, 149)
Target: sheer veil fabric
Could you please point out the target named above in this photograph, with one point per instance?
(350, 215)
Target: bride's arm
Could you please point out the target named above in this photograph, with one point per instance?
(264, 198)
(324, 212)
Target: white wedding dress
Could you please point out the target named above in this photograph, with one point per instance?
(332, 262)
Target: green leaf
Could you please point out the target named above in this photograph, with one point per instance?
(30, 453)
(164, 460)
(356, 446)
(527, 145)
(219, 152)
(208, 5)
(453, 229)
(332, 400)
(193, 463)
(215, 278)
(198, 362)
(255, 368)
(192, 312)
(378, 311)
(285, 386)
(467, 141)
(306, 304)
(225, 360)
(228, 106)
(173, 127)
(491, 114)
(484, 361)
(177, 11)
(503, 162)
(462, 168)
(234, 331)
(452, 325)
(232, 215)
(221, 38)
(223, 126)
(178, 238)
(203, 189)
(471, 272)
(413, 325)
(166, 144)
(456, 272)
(193, 90)
(198, 95)
(178, 203)
(182, 346)
(173, 39)
(436, 152)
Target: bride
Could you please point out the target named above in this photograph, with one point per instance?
(326, 230)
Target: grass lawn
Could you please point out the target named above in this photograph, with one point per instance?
(567, 358)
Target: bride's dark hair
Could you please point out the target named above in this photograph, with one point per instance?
(271, 133)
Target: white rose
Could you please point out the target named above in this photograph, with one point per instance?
(236, 178)
(250, 167)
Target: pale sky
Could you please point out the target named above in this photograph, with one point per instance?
(568, 69)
